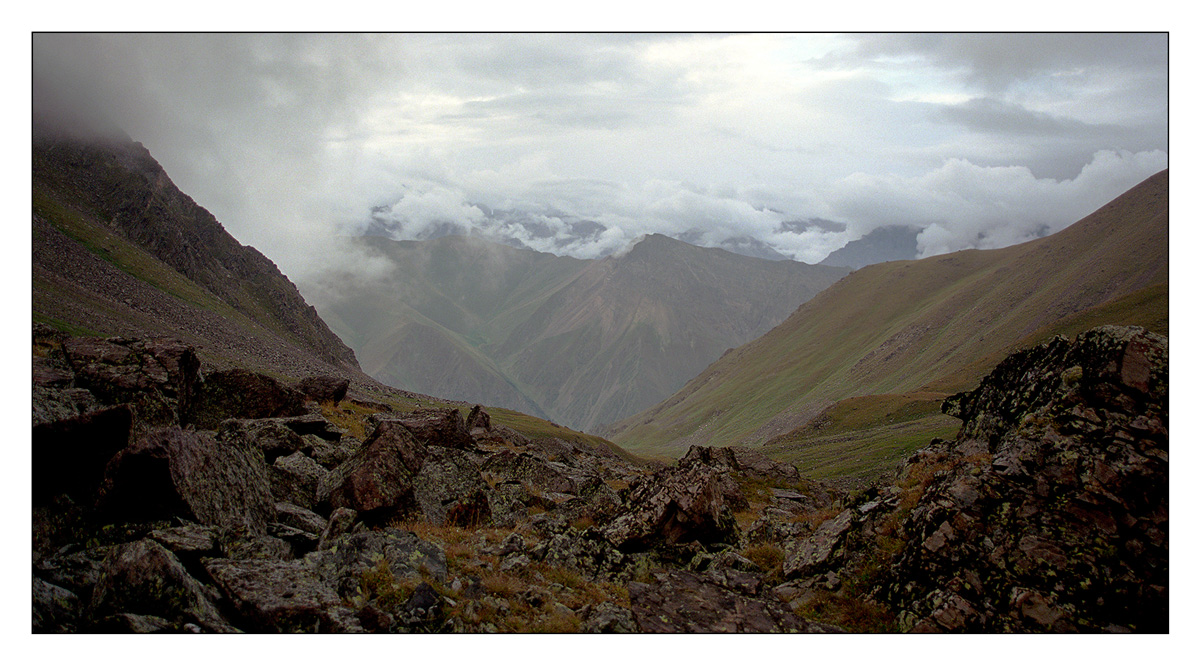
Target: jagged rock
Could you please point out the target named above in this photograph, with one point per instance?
(586, 551)
(76, 571)
(239, 393)
(275, 596)
(607, 617)
(324, 388)
(300, 518)
(138, 624)
(270, 436)
(55, 609)
(69, 456)
(450, 490)
(378, 479)
(528, 469)
(190, 474)
(424, 608)
(341, 522)
(816, 552)
(478, 419)
(190, 539)
(1049, 509)
(143, 577)
(678, 505)
(683, 602)
(433, 427)
(314, 424)
(330, 454)
(295, 479)
(52, 403)
(158, 377)
(342, 562)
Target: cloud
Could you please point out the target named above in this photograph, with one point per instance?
(962, 205)
(581, 143)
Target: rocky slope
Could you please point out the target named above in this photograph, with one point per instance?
(118, 249)
(581, 342)
(170, 497)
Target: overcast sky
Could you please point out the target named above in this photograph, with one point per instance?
(979, 140)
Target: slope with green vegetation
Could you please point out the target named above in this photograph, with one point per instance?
(582, 342)
(917, 331)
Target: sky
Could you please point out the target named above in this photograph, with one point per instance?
(579, 144)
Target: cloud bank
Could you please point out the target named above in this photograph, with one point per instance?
(782, 145)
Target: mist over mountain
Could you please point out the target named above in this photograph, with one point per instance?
(583, 342)
(886, 243)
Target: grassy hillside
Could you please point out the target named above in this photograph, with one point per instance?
(929, 326)
(579, 342)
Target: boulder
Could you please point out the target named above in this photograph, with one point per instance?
(239, 393)
(530, 470)
(296, 479)
(450, 490)
(678, 505)
(808, 556)
(377, 481)
(330, 389)
(190, 474)
(55, 609)
(478, 419)
(145, 578)
(343, 561)
(271, 437)
(159, 377)
(433, 427)
(275, 596)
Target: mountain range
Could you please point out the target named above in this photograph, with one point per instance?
(582, 342)
(888, 342)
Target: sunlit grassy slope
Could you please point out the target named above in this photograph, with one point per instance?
(930, 326)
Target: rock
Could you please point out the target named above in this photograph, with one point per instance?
(678, 505)
(275, 596)
(158, 377)
(478, 419)
(269, 436)
(239, 393)
(300, 518)
(341, 522)
(586, 551)
(52, 404)
(423, 609)
(1048, 511)
(683, 602)
(295, 479)
(144, 578)
(190, 474)
(528, 469)
(314, 424)
(330, 454)
(450, 490)
(69, 456)
(187, 540)
(139, 624)
(434, 427)
(342, 562)
(607, 617)
(810, 555)
(377, 481)
(55, 609)
(330, 389)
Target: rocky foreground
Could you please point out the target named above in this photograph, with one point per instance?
(171, 497)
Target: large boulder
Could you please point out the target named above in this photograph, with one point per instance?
(278, 596)
(144, 578)
(323, 388)
(270, 436)
(158, 376)
(239, 393)
(296, 479)
(377, 481)
(534, 472)
(399, 554)
(190, 474)
(433, 427)
(678, 505)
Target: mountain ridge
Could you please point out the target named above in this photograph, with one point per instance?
(582, 341)
(916, 326)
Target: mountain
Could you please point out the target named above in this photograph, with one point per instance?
(583, 342)
(119, 250)
(884, 345)
(886, 243)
